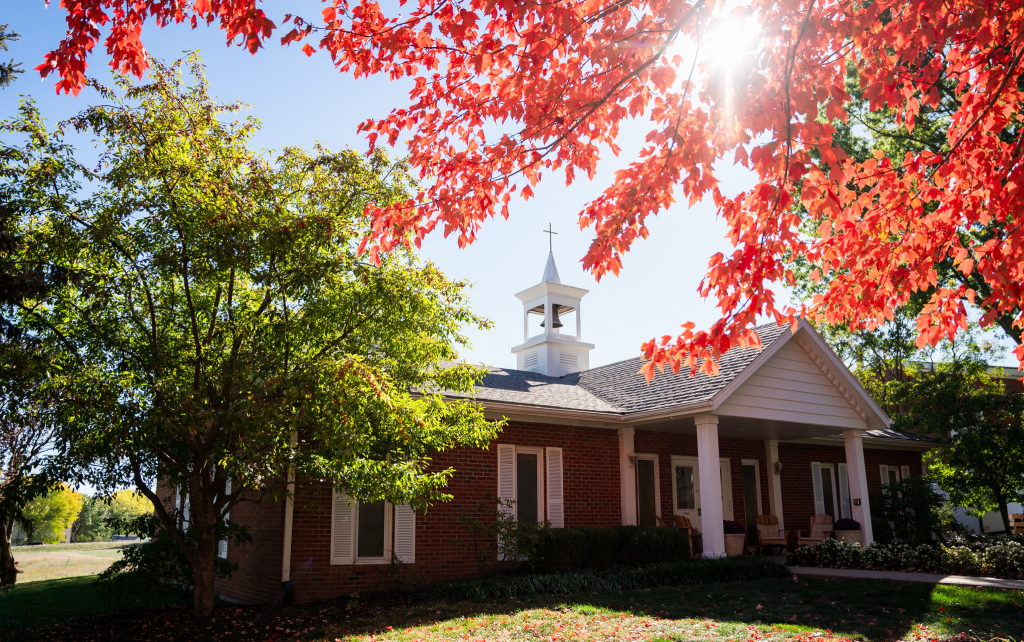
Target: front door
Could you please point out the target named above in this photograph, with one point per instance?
(686, 489)
(646, 493)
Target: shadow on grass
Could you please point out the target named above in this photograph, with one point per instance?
(32, 604)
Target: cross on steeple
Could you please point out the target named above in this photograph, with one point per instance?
(551, 247)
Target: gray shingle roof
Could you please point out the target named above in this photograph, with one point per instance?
(889, 433)
(533, 389)
(617, 388)
(620, 384)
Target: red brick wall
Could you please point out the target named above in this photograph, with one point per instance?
(797, 488)
(443, 548)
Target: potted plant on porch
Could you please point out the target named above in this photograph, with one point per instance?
(849, 530)
(735, 538)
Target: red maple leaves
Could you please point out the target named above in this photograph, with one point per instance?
(508, 92)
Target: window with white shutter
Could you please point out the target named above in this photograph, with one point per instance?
(342, 535)
(405, 534)
(904, 472)
(556, 501)
(844, 491)
(819, 493)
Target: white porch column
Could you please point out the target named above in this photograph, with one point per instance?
(771, 447)
(710, 485)
(857, 473)
(627, 476)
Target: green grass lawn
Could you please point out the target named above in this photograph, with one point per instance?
(810, 610)
(761, 610)
(55, 561)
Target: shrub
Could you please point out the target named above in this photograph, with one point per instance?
(690, 572)
(846, 524)
(907, 511)
(1003, 557)
(157, 566)
(733, 528)
(561, 550)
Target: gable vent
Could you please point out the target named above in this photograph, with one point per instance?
(567, 358)
(531, 359)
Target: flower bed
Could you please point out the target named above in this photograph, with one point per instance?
(994, 557)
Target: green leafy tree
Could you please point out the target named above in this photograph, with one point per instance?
(979, 427)
(27, 429)
(92, 524)
(8, 70)
(47, 516)
(219, 322)
(126, 505)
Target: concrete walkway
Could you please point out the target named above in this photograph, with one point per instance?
(927, 578)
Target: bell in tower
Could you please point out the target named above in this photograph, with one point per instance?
(552, 352)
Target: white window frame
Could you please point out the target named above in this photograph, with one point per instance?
(531, 450)
(836, 508)
(884, 470)
(757, 476)
(389, 536)
(657, 483)
(222, 545)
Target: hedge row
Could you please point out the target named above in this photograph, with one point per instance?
(995, 558)
(690, 572)
(562, 550)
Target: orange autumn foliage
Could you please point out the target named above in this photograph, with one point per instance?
(505, 92)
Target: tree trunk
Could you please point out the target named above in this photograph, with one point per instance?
(8, 568)
(1005, 514)
(205, 556)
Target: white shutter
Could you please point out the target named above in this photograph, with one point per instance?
(556, 502)
(341, 529)
(819, 494)
(844, 491)
(904, 472)
(405, 534)
(222, 546)
(506, 475)
(885, 474)
(185, 512)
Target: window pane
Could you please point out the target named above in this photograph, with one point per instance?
(647, 509)
(826, 490)
(371, 529)
(892, 476)
(684, 488)
(526, 488)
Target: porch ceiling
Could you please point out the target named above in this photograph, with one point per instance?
(746, 428)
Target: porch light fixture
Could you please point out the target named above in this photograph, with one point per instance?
(778, 467)
(632, 460)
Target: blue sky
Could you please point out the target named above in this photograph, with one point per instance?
(300, 100)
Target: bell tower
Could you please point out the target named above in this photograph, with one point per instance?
(553, 351)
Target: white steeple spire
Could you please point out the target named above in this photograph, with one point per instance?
(550, 271)
(551, 352)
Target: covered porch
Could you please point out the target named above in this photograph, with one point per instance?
(672, 468)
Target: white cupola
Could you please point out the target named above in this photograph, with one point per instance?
(552, 352)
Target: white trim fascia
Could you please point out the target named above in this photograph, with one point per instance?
(874, 443)
(540, 289)
(719, 398)
(560, 339)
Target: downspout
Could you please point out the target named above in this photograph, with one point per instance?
(289, 518)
